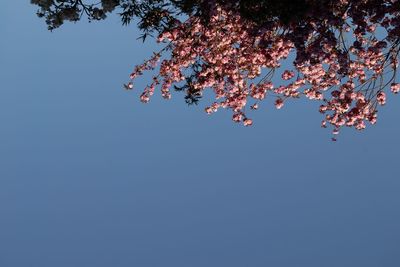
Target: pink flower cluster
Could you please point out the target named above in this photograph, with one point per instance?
(340, 61)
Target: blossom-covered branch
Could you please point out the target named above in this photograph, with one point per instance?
(346, 57)
(342, 53)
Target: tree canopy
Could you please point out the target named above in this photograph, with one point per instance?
(345, 52)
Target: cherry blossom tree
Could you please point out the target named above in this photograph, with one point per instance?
(341, 53)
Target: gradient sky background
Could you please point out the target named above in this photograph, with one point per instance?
(91, 177)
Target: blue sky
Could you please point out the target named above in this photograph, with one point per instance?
(92, 177)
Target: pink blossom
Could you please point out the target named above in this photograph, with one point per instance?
(237, 117)
(381, 98)
(395, 87)
(247, 122)
(287, 75)
(279, 103)
(254, 106)
(144, 98)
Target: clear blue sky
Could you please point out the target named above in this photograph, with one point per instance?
(90, 177)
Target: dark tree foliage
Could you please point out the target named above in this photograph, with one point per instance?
(158, 15)
(286, 11)
(151, 15)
